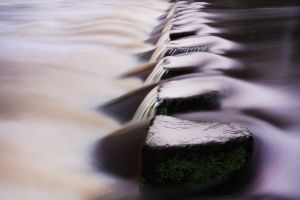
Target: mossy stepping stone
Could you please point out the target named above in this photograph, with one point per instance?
(187, 153)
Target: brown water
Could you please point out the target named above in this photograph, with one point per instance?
(59, 60)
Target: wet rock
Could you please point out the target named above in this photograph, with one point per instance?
(192, 30)
(193, 154)
(187, 95)
(183, 95)
(174, 35)
(192, 44)
(203, 62)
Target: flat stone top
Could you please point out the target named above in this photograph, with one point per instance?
(169, 131)
(216, 44)
(191, 87)
(203, 60)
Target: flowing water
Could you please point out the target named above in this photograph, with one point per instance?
(60, 60)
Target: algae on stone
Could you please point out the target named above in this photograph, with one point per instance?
(210, 169)
(185, 153)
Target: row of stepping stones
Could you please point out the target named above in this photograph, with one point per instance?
(181, 153)
(190, 70)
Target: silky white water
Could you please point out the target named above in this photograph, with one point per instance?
(60, 60)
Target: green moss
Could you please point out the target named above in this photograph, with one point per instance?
(203, 171)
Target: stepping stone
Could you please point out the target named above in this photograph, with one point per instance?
(189, 95)
(193, 154)
(192, 44)
(192, 30)
(181, 96)
(172, 66)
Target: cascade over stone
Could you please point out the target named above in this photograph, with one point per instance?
(187, 153)
(204, 62)
(192, 44)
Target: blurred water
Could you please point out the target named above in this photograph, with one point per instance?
(58, 61)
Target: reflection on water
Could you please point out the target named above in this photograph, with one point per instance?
(58, 62)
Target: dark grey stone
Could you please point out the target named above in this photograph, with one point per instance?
(187, 153)
(188, 95)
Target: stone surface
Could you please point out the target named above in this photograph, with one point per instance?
(186, 153)
(197, 62)
(213, 44)
(189, 95)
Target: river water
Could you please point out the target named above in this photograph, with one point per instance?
(60, 60)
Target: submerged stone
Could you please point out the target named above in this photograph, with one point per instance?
(193, 154)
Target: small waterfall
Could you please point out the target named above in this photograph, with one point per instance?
(157, 73)
(147, 110)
